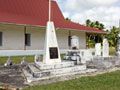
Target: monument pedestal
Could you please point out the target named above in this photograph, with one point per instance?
(40, 71)
(63, 64)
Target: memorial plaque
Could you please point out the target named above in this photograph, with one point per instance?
(53, 52)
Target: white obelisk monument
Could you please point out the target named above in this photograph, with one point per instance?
(52, 53)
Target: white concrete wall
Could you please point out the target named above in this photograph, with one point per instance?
(82, 38)
(62, 36)
(13, 38)
(37, 38)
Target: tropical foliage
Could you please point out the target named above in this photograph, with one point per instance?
(112, 35)
(95, 24)
(94, 38)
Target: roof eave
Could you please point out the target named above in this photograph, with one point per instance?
(58, 28)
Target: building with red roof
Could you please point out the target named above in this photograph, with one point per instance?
(23, 24)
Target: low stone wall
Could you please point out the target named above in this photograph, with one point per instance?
(104, 63)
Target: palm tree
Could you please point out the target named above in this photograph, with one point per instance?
(92, 24)
(101, 26)
(88, 22)
(113, 37)
(68, 19)
(98, 38)
(95, 24)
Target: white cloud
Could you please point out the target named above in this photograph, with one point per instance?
(103, 14)
(102, 2)
(66, 14)
(79, 5)
(105, 11)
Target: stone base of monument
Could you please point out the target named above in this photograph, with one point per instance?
(63, 64)
(40, 71)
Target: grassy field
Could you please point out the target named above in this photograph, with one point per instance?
(108, 81)
(16, 59)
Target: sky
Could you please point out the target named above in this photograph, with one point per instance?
(105, 11)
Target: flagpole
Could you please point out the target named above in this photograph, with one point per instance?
(49, 10)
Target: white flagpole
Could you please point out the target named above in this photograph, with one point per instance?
(49, 10)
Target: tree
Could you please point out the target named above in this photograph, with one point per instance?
(88, 22)
(92, 24)
(95, 24)
(67, 19)
(113, 37)
(97, 38)
(101, 26)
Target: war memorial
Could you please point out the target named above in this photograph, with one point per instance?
(52, 68)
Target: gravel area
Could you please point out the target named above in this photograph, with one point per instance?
(12, 76)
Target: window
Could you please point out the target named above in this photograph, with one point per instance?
(27, 39)
(69, 41)
(1, 36)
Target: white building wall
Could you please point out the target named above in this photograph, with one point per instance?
(62, 36)
(82, 38)
(37, 38)
(14, 39)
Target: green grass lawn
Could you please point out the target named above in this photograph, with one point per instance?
(16, 59)
(108, 81)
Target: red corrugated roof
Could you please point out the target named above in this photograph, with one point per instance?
(35, 12)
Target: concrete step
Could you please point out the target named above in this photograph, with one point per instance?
(60, 76)
(28, 75)
(37, 73)
(63, 64)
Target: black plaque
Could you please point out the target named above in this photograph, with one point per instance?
(53, 52)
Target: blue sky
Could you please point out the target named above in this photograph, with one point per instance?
(105, 11)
